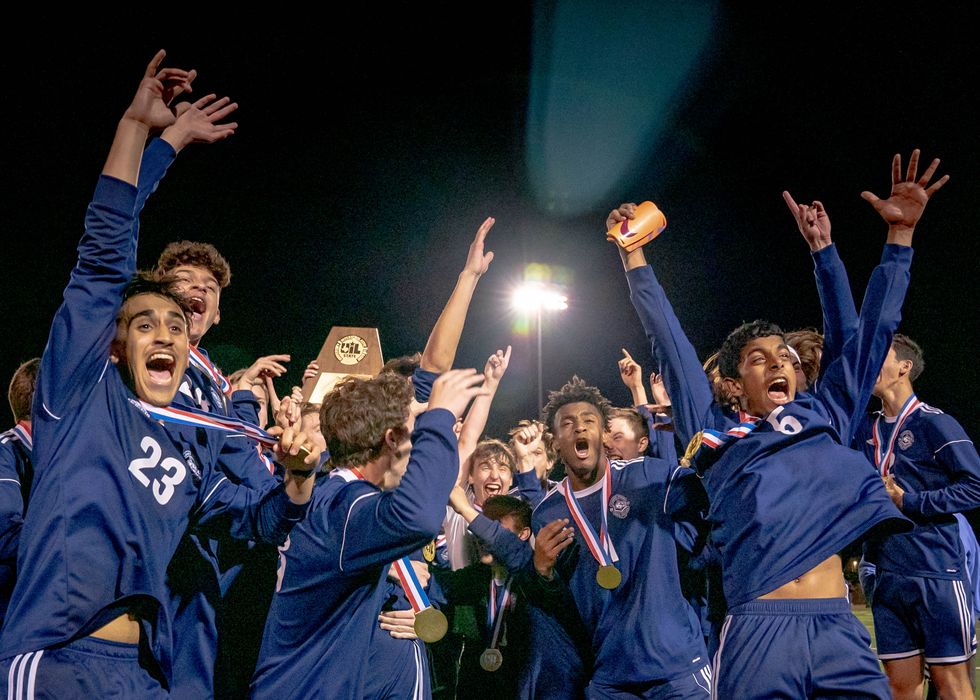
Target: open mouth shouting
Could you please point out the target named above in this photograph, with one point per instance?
(778, 391)
(581, 448)
(161, 367)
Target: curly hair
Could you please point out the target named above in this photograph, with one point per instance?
(730, 354)
(20, 394)
(574, 391)
(808, 343)
(547, 438)
(907, 349)
(357, 413)
(197, 255)
(499, 507)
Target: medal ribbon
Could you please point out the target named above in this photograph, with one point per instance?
(601, 546)
(202, 419)
(883, 459)
(200, 360)
(497, 605)
(406, 574)
(23, 432)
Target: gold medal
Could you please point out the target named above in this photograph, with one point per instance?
(429, 551)
(431, 625)
(491, 659)
(608, 576)
(692, 449)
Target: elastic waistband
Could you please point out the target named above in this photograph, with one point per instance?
(104, 647)
(793, 606)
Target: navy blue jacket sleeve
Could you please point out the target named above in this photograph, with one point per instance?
(687, 385)
(958, 455)
(506, 547)
(11, 502)
(85, 324)
(529, 486)
(378, 528)
(846, 385)
(840, 318)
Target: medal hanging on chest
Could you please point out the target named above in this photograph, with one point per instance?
(885, 454)
(497, 604)
(601, 545)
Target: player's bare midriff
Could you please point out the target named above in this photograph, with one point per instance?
(825, 580)
(124, 629)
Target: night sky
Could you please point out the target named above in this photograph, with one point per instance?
(370, 149)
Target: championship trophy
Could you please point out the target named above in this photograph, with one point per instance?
(647, 224)
(347, 352)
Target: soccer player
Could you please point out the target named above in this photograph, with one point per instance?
(922, 602)
(789, 630)
(332, 567)
(16, 474)
(626, 438)
(117, 481)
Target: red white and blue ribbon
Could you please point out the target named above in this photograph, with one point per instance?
(885, 458)
(411, 585)
(600, 545)
(497, 604)
(23, 432)
(202, 419)
(201, 361)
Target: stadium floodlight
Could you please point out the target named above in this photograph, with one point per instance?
(534, 298)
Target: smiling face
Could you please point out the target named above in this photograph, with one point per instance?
(766, 375)
(151, 345)
(621, 440)
(578, 432)
(489, 476)
(198, 286)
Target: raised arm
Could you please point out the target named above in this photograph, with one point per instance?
(476, 417)
(836, 301)
(632, 375)
(378, 528)
(440, 350)
(684, 377)
(848, 381)
(84, 325)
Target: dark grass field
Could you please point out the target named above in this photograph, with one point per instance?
(864, 615)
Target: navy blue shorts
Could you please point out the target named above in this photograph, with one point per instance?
(796, 649)
(692, 686)
(928, 616)
(86, 668)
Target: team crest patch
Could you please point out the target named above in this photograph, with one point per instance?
(905, 440)
(189, 458)
(619, 505)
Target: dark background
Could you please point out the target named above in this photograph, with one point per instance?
(371, 147)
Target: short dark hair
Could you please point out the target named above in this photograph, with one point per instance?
(493, 449)
(907, 349)
(404, 365)
(197, 255)
(574, 391)
(546, 437)
(808, 343)
(730, 354)
(20, 394)
(356, 414)
(499, 507)
(633, 418)
(150, 283)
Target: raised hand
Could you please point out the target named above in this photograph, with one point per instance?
(268, 366)
(311, 370)
(496, 365)
(199, 122)
(525, 441)
(624, 211)
(909, 196)
(659, 391)
(454, 390)
(630, 371)
(812, 220)
(478, 262)
(151, 104)
(549, 543)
